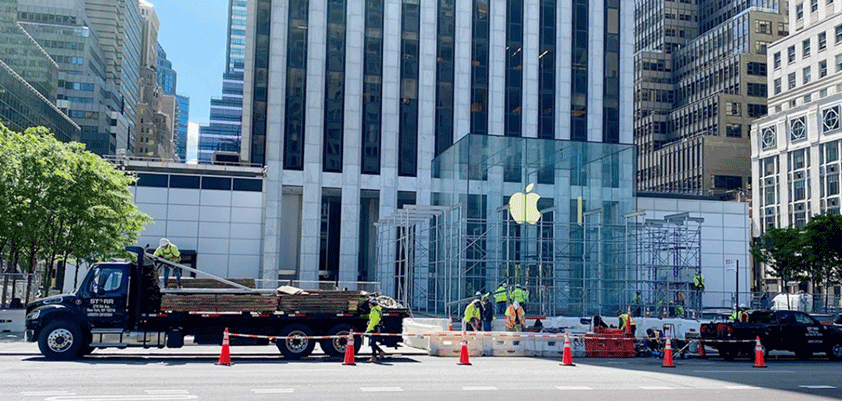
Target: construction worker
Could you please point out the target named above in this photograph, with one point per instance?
(740, 314)
(501, 296)
(515, 317)
(169, 251)
(520, 295)
(636, 301)
(374, 317)
(699, 281)
(627, 323)
(473, 315)
(487, 313)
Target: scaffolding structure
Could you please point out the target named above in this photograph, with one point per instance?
(439, 258)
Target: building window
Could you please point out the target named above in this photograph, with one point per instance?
(805, 48)
(822, 41)
(514, 68)
(768, 138)
(838, 62)
(479, 67)
(838, 31)
(755, 68)
(797, 129)
(756, 90)
(263, 12)
(790, 52)
(408, 117)
(546, 67)
(760, 46)
(445, 70)
(611, 87)
(777, 60)
(372, 87)
(727, 182)
(296, 84)
(579, 65)
(777, 84)
(334, 103)
(799, 11)
(814, 6)
(822, 68)
(791, 80)
(732, 109)
(756, 110)
(830, 119)
(806, 74)
(763, 27)
(734, 130)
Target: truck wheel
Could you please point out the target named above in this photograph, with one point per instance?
(60, 341)
(336, 346)
(835, 351)
(296, 348)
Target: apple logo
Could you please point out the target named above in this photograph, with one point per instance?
(524, 206)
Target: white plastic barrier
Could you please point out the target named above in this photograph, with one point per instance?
(12, 320)
(422, 326)
(452, 345)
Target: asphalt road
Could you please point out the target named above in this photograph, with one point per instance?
(258, 373)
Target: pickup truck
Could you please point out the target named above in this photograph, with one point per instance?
(120, 304)
(778, 330)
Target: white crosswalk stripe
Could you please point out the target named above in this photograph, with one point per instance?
(817, 386)
(380, 389)
(479, 388)
(656, 388)
(271, 390)
(574, 388)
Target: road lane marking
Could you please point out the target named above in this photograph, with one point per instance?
(138, 397)
(745, 371)
(380, 389)
(479, 388)
(45, 393)
(816, 386)
(574, 388)
(656, 388)
(742, 387)
(271, 390)
(166, 392)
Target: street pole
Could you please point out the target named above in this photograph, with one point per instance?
(737, 286)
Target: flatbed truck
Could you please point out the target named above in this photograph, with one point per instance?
(118, 304)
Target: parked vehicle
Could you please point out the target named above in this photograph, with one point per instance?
(778, 330)
(120, 305)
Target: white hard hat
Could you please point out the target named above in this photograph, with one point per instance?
(163, 242)
(516, 304)
(478, 293)
(742, 305)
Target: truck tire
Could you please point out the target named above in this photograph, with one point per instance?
(336, 346)
(299, 347)
(60, 341)
(835, 351)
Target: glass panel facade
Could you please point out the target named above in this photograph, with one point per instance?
(261, 81)
(372, 86)
(296, 84)
(514, 68)
(444, 75)
(334, 87)
(611, 94)
(574, 258)
(479, 68)
(408, 137)
(579, 91)
(546, 73)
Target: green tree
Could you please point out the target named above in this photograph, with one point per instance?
(61, 202)
(783, 251)
(823, 238)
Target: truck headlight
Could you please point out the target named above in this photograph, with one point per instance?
(33, 315)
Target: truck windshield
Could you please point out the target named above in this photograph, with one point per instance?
(105, 281)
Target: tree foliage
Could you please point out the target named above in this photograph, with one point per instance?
(59, 201)
(813, 253)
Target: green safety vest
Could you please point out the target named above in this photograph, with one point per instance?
(169, 253)
(699, 280)
(520, 295)
(374, 318)
(636, 299)
(501, 294)
(471, 311)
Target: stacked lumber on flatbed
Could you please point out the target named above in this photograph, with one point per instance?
(218, 303)
(321, 301)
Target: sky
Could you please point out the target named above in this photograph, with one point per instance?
(193, 33)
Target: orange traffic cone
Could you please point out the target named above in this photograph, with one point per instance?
(225, 355)
(463, 355)
(702, 349)
(349, 350)
(450, 323)
(759, 361)
(668, 362)
(567, 356)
